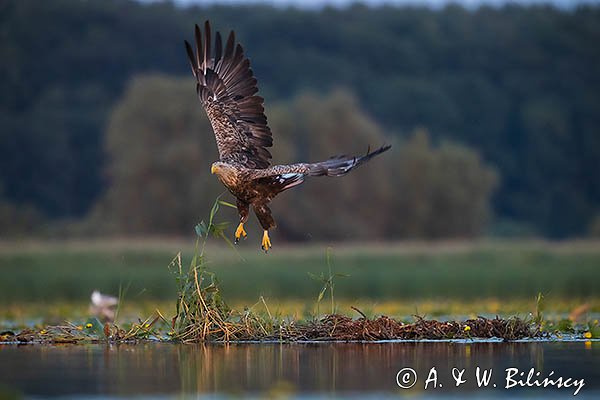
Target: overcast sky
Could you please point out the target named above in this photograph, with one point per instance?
(433, 3)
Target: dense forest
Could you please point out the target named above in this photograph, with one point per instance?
(519, 85)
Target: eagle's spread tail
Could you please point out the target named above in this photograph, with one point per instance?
(341, 165)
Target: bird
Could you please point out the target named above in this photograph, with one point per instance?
(227, 89)
(103, 306)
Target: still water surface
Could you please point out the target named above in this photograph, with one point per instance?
(297, 370)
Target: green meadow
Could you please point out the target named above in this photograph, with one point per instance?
(403, 272)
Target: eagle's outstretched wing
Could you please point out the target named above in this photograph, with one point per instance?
(282, 177)
(226, 87)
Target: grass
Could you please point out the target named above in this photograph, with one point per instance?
(23, 314)
(489, 270)
(49, 283)
(202, 314)
(450, 275)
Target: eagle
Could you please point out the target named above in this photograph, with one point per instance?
(227, 90)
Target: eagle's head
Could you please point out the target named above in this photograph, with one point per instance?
(225, 172)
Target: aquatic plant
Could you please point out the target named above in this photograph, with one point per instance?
(203, 315)
(328, 282)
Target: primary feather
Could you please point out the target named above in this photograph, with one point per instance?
(226, 88)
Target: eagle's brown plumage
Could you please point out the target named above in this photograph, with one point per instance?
(227, 89)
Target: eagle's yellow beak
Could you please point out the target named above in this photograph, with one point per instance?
(213, 169)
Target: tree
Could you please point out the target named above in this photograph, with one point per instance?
(160, 147)
(314, 128)
(18, 221)
(516, 83)
(439, 192)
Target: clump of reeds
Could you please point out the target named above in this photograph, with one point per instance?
(201, 313)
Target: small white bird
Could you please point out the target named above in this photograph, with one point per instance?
(103, 306)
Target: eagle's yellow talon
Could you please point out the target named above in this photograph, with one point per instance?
(266, 242)
(239, 232)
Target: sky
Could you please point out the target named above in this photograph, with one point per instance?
(431, 3)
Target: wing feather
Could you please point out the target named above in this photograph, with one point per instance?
(218, 49)
(199, 51)
(207, 43)
(335, 166)
(227, 89)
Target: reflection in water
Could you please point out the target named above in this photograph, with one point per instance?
(323, 368)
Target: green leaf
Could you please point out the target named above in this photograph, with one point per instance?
(96, 328)
(321, 294)
(201, 229)
(320, 278)
(214, 210)
(219, 229)
(594, 330)
(226, 204)
(565, 325)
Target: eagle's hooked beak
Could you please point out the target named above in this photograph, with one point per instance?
(213, 169)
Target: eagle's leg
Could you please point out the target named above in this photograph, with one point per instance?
(243, 210)
(266, 241)
(263, 213)
(240, 232)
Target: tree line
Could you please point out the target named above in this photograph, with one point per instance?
(160, 147)
(517, 85)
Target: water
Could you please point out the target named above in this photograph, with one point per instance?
(296, 370)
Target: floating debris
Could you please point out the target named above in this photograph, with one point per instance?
(334, 327)
(339, 327)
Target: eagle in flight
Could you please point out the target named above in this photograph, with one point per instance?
(227, 90)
